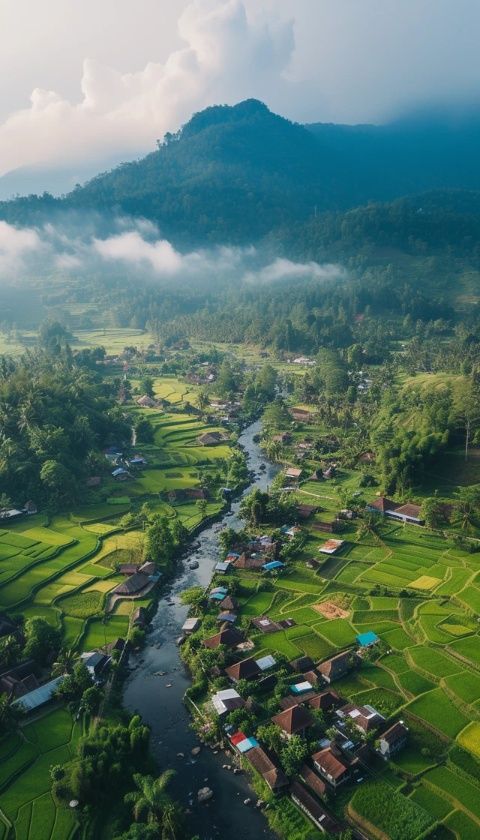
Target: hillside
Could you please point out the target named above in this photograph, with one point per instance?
(233, 174)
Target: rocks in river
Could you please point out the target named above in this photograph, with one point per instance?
(247, 801)
(204, 794)
(195, 750)
(237, 770)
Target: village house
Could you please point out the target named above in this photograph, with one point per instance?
(249, 561)
(229, 603)
(246, 669)
(228, 617)
(37, 697)
(331, 767)
(293, 473)
(137, 461)
(266, 625)
(293, 721)
(331, 546)
(295, 699)
(301, 664)
(268, 769)
(302, 415)
(221, 568)
(230, 637)
(128, 568)
(148, 568)
(325, 700)
(10, 513)
(365, 718)
(19, 680)
(312, 808)
(337, 666)
(121, 474)
(305, 511)
(30, 508)
(313, 781)
(408, 513)
(132, 585)
(367, 640)
(226, 701)
(211, 438)
(146, 402)
(392, 740)
(95, 663)
(190, 625)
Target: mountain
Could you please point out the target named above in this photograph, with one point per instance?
(235, 173)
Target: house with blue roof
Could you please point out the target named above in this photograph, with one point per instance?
(367, 639)
(272, 566)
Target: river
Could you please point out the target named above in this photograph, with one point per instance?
(159, 699)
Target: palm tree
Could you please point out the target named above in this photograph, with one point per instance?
(152, 804)
(467, 508)
(9, 649)
(202, 400)
(369, 525)
(66, 662)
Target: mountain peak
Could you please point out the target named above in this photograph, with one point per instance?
(222, 114)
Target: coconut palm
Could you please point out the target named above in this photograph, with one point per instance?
(369, 525)
(152, 804)
(66, 661)
(467, 508)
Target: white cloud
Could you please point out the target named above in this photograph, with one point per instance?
(71, 248)
(227, 57)
(281, 269)
(15, 244)
(132, 248)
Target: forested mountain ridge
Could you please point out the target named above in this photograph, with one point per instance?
(235, 173)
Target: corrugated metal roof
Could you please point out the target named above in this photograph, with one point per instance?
(38, 696)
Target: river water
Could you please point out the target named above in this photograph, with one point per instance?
(159, 699)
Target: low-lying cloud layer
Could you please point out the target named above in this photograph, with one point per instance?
(136, 248)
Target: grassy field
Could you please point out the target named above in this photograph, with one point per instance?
(25, 781)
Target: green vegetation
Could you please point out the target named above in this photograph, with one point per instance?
(400, 818)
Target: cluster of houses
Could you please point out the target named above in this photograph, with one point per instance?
(354, 736)
(258, 554)
(356, 733)
(26, 685)
(325, 473)
(121, 464)
(28, 509)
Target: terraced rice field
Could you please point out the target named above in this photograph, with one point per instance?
(25, 781)
(63, 570)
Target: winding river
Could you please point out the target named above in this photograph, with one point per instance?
(159, 680)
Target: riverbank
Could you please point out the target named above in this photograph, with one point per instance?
(159, 679)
